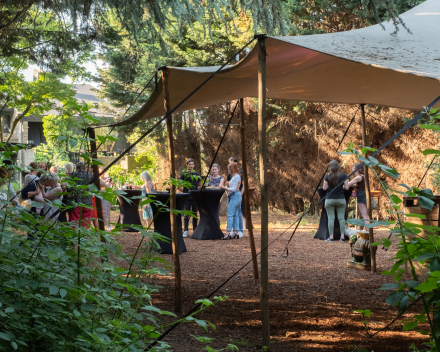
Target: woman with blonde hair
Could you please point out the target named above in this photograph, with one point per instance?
(216, 181)
(53, 169)
(147, 187)
(336, 199)
(50, 191)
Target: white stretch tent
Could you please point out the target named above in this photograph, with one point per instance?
(369, 65)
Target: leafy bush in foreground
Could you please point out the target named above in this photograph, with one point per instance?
(64, 288)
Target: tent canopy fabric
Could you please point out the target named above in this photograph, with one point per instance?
(369, 65)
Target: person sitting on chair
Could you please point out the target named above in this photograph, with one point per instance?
(335, 200)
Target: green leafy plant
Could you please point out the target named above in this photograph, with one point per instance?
(416, 251)
(62, 288)
(365, 314)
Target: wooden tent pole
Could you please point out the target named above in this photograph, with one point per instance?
(95, 168)
(367, 190)
(173, 203)
(246, 193)
(264, 294)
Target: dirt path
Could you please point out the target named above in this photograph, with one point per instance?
(313, 294)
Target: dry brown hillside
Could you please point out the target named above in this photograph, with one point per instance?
(300, 145)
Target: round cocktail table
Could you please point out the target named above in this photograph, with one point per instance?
(207, 201)
(129, 211)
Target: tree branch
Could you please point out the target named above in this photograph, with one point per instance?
(17, 16)
(18, 119)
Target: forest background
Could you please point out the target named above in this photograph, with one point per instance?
(133, 39)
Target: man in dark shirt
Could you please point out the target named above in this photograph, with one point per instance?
(195, 180)
(240, 218)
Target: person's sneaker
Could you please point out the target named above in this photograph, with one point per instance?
(342, 240)
(240, 234)
(328, 240)
(185, 234)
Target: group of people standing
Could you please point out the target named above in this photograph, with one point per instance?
(47, 188)
(335, 181)
(233, 185)
(44, 186)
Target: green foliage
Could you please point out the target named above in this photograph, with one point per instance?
(120, 176)
(28, 98)
(414, 251)
(431, 122)
(365, 314)
(51, 155)
(45, 307)
(61, 288)
(68, 29)
(243, 342)
(325, 16)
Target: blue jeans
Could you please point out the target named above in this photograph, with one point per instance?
(234, 211)
(240, 219)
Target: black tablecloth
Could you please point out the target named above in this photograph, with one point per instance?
(162, 222)
(322, 232)
(207, 201)
(129, 212)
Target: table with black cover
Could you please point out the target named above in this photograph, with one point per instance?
(129, 211)
(207, 202)
(162, 222)
(322, 233)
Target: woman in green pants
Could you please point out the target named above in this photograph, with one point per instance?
(336, 199)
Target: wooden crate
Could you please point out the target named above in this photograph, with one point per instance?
(411, 205)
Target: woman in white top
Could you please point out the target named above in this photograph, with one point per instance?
(50, 195)
(234, 202)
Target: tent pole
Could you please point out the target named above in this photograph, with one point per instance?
(246, 193)
(367, 190)
(173, 203)
(264, 294)
(95, 168)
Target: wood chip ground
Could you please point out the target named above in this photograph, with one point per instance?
(313, 295)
